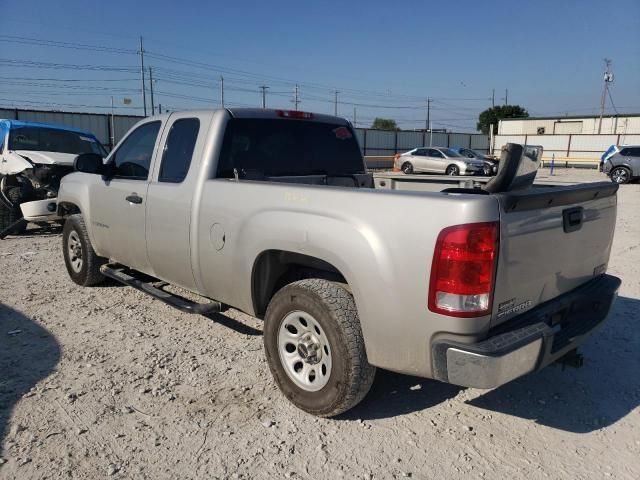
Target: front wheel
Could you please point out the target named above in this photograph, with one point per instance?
(315, 347)
(83, 265)
(453, 170)
(620, 175)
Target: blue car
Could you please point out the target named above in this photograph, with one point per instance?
(33, 159)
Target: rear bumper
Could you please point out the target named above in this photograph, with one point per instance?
(531, 341)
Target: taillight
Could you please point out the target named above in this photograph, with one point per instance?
(463, 270)
(294, 114)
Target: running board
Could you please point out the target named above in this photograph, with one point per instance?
(127, 276)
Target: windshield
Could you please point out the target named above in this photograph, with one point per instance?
(450, 153)
(273, 147)
(44, 139)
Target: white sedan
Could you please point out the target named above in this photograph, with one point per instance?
(437, 160)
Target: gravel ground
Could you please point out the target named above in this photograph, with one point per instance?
(106, 382)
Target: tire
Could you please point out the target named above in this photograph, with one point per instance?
(452, 170)
(620, 175)
(407, 168)
(11, 215)
(331, 323)
(83, 265)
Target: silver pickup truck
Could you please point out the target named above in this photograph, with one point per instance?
(273, 213)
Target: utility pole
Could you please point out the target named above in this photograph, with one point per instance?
(335, 103)
(355, 124)
(608, 78)
(144, 93)
(113, 132)
(296, 101)
(506, 96)
(427, 122)
(222, 91)
(160, 108)
(264, 95)
(493, 98)
(153, 108)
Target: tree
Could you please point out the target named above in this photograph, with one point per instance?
(384, 124)
(493, 115)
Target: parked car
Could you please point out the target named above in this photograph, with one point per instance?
(621, 163)
(273, 213)
(490, 163)
(33, 159)
(437, 160)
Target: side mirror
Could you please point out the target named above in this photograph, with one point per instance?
(89, 163)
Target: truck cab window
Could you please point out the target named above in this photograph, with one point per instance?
(133, 158)
(178, 150)
(259, 148)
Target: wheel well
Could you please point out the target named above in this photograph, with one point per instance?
(66, 208)
(273, 269)
(452, 165)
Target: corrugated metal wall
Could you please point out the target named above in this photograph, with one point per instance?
(372, 142)
(385, 143)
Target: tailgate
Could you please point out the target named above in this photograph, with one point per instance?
(552, 240)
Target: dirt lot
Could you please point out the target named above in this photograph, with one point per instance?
(106, 382)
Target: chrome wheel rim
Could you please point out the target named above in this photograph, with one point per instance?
(74, 249)
(406, 168)
(304, 351)
(619, 175)
(452, 172)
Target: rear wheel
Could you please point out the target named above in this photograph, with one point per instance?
(83, 265)
(453, 170)
(620, 175)
(407, 168)
(315, 348)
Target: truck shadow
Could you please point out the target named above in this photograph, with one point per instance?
(28, 354)
(597, 395)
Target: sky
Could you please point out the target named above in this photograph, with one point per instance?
(383, 58)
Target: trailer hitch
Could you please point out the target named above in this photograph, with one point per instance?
(571, 359)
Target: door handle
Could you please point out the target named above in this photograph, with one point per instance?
(133, 198)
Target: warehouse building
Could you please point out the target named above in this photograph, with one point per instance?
(588, 125)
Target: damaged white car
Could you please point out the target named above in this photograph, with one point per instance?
(33, 159)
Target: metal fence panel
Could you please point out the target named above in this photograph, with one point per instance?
(480, 142)
(409, 140)
(7, 113)
(630, 139)
(592, 143)
(550, 143)
(381, 140)
(459, 140)
(437, 139)
(360, 137)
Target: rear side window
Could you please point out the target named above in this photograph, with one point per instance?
(281, 147)
(178, 150)
(133, 158)
(630, 152)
